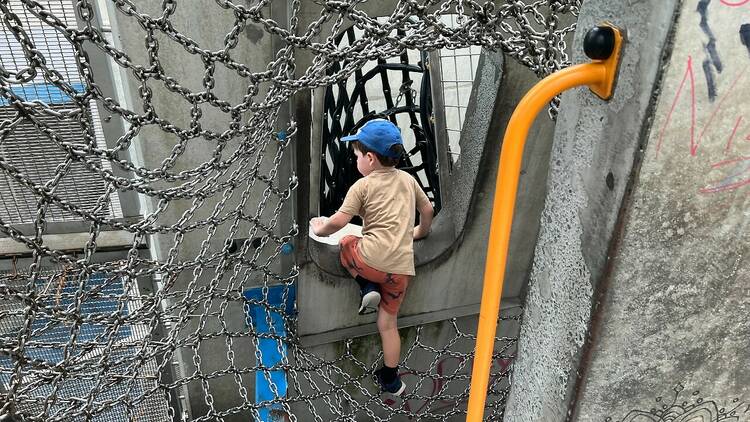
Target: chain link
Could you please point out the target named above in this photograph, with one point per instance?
(82, 338)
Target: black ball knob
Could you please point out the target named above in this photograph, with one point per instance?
(599, 42)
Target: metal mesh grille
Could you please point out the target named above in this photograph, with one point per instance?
(457, 71)
(37, 157)
(83, 319)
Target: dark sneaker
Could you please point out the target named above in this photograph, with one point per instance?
(395, 387)
(370, 299)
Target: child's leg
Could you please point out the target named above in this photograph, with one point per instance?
(365, 283)
(361, 281)
(388, 374)
(388, 328)
(369, 295)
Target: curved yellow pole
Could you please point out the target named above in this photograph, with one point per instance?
(599, 76)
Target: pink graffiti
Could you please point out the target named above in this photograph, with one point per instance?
(740, 177)
(438, 384)
(738, 167)
(734, 3)
(689, 75)
(693, 149)
(731, 137)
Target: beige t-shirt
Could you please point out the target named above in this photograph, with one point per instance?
(386, 200)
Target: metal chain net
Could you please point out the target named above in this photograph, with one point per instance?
(92, 332)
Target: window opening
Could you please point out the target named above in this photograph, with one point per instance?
(458, 68)
(397, 89)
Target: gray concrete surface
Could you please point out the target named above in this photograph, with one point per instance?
(592, 158)
(70, 241)
(154, 145)
(477, 124)
(672, 328)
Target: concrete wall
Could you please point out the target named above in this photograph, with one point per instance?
(645, 223)
(154, 145)
(671, 333)
(592, 159)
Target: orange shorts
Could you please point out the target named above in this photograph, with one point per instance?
(392, 286)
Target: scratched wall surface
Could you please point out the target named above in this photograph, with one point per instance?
(672, 337)
(592, 159)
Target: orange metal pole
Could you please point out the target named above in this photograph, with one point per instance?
(506, 185)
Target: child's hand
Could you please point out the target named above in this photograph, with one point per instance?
(420, 233)
(326, 226)
(426, 212)
(317, 224)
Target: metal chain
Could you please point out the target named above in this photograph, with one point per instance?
(84, 338)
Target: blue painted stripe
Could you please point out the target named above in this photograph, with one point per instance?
(272, 351)
(47, 93)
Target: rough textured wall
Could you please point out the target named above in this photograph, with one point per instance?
(592, 159)
(254, 49)
(672, 335)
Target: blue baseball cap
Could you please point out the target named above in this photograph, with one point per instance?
(378, 135)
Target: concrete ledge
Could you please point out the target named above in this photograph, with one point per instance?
(403, 322)
(116, 239)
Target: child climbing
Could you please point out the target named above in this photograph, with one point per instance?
(382, 260)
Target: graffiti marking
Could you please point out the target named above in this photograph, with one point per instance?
(731, 181)
(731, 137)
(694, 143)
(712, 59)
(688, 409)
(694, 147)
(745, 35)
(688, 73)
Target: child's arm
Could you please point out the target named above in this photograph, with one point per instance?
(324, 227)
(425, 221)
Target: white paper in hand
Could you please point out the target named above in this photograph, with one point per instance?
(349, 229)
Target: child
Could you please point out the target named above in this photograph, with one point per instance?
(386, 199)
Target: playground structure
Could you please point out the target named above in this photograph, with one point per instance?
(155, 269)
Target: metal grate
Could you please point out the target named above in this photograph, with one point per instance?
(397, 89)
(95, 333)
(35, 155)
(23, 142)
(457, 71)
